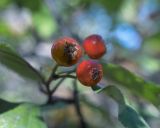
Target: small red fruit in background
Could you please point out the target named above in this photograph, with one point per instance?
(66, 51)
(94, 46)
(89, 72)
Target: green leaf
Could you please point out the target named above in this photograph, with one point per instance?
(13, 61)
(95, 107)
(116, 94)
(131, 119)
(24, 116)
(6, 106)
(136, 84)
(127, 115)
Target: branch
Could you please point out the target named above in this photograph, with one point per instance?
(56, 99)
(77, 106)
(67, 72)
(67, 76)
(47, 83)
(63, 78)
(51, 77)
(57, 85)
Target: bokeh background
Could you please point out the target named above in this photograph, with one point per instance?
(131, 29)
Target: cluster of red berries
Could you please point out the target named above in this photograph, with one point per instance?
(67, 52)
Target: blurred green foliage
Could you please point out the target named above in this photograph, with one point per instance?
(132, 60)
(34, 6)
(44, 23)
(4, 3)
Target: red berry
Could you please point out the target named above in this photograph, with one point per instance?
(89, 73)
(66, 51)
(94, 46)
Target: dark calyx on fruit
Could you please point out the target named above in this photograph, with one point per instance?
(95, 73)
(70, 52)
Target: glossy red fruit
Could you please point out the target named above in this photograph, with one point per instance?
(89, 72)
(66, 51)
(94, 46)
